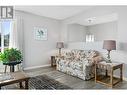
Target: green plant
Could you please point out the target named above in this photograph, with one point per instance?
(10, 55)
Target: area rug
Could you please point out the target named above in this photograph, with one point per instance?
(46, 82)
(41, 82)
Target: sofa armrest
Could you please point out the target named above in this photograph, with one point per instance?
(97, 59)
(87, 62)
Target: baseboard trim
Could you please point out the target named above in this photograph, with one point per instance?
(35, 67)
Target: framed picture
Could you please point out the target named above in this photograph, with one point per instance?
(40, 33)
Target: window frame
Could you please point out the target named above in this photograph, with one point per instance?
(2, 33)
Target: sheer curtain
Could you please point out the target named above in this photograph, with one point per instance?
(16, 36)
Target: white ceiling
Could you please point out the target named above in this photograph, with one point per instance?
(63, 12)
(98, 20)
(56, 12)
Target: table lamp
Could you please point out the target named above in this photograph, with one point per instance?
(109, 45)
(60, 45)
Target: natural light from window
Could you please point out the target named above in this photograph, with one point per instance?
(4, 34)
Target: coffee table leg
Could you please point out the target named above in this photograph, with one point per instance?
(20, 84)
(26, 84)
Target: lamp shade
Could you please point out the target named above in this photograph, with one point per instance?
(60, 45)
(109, 44)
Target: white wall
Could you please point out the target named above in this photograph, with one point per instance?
(104, 31)
(76, 33)
(37, 53)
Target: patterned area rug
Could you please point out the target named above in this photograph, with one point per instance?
(45, 82)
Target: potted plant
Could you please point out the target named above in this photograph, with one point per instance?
(11, 57)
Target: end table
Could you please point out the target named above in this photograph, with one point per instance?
(108, 79)
(53, 61)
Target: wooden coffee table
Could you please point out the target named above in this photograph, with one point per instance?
(16, 77)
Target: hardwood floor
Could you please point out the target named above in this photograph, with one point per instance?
(71, 81)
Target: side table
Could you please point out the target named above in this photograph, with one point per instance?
(108, 78)
(53, 61)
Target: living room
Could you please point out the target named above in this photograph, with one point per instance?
(67, 28)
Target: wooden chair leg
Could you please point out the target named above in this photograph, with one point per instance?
(5, 69)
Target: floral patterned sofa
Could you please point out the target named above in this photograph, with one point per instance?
(78, 63)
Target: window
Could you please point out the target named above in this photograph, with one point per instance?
(5, 28)
(90, 38)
